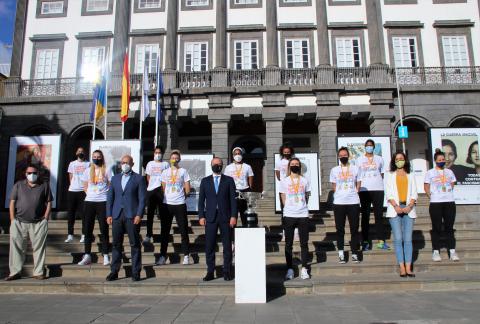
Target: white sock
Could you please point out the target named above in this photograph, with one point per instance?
(452, 251)
(340, 253)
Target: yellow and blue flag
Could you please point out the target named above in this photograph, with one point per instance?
(99, 102)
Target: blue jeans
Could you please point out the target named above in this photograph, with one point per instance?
(402, 229)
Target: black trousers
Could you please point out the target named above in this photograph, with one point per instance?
(96, 210)
(120, 226)
(375, 198)
(211, 230)
(155, 203)
(289, 225)
(341, 213)
(443, 213)
(180, 213)
(75, 204)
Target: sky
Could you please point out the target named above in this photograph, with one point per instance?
(7, 20)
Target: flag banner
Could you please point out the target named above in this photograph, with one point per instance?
(125, 90)
(99, 102)
(146, 89)
(159, 91)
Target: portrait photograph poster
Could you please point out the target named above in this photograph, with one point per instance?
(114, 150)
(43, 151)
(198, 166)
(460, 146)
(310, 170)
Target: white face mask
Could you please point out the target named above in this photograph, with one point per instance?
(238, 158)
(126, 168)
(158, 157)
(32, 178)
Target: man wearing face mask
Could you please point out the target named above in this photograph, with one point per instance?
(125, 205)
(30, 206)
(154, 171)
(217, 208)
(242, 174)
(76, 194)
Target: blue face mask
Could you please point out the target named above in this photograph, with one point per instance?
(440, 164)
(369, 149)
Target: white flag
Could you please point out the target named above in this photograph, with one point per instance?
(146, 89)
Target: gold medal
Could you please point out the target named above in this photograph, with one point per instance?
(296, 199)
(444, 189)
(174, 189)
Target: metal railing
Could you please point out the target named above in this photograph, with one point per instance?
(267, 77)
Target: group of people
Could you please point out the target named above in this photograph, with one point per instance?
(119, 201)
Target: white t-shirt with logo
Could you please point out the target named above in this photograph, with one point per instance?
(440, 181)
(174, 193)
(345, 179)
(370, 173)
(98, 188)
(295, 196)
(154, 169)
(76, 169)
(239, 173)
(282, 166)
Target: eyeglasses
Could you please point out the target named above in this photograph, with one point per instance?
(31, 173)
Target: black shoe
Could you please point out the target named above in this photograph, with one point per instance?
(112, 276)
(411, 275)
(227, 277)
(14, 277)
(209, 277)
(136, 277)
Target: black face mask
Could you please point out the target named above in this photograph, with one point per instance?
(217, 168)
(343, 160)
(295, 169)
(98, 162)
(287, 156)
(81, 156)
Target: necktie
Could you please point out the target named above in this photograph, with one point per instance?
(216, 183)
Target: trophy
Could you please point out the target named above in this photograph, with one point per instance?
(250, 214)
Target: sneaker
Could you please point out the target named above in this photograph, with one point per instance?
(366, 246)
(341, 258)
(296, 237)
(382, 245)
(82, 239)
(69, 238)
(454, 256)
(86, 260)
(147, 240)
(355, 258)
(161, 260)
(436, 256)
(290, 274)
(283, 236)
(106, 260)
(304, 274)
(186, 260)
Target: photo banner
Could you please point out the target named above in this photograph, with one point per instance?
(460, 146)
(198, 167)
(113, 152)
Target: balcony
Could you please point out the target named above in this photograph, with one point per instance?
(268, 77)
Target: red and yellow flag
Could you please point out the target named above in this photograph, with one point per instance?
(125, 90)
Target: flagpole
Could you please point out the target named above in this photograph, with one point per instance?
(157, 99)
(106, 91)
(123, 130)
(400, 106)
(141, 120)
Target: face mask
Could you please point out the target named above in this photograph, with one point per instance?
(287, 156)
(369, 149)
(440, 164)
(81, 156)
(158, 157)
(173, 162)
(400, 164)
(97, 161)
(32, 177)
(217, 168)
(238, 158)
(295, 169)
(126, 168)
(344, 160)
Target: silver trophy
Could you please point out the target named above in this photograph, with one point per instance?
(250, 214)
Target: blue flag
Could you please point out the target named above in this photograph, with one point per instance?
(159, 91)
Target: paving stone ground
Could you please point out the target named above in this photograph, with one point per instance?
(402, 308)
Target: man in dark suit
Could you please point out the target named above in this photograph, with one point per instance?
(217, 208)
(125, 205)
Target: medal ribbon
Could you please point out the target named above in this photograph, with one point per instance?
(173, 177)
(238, 172)
(295, 186)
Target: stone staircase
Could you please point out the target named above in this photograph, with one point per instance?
(377, 272)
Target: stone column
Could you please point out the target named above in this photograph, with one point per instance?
(272, 36)
(375, 32)
(18, 39)
(322, 33)
(171, 43)
(274, 139)
(221, 35)
(327, 148)
(120, 36)
(220, 139)
(168, 136)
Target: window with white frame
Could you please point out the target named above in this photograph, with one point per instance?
(50, 8)
(405, 51)
(92, 61)
(298, 55)
(196, 56)
(97, 5)
(46, 64)
(197, 3)
(242, 2)
(246, 54)
(348, 52)
(149, 4)
(146, 54)
(455, 50)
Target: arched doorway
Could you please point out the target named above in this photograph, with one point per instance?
(255, 155)
(81, 136)
(38, 130)
(464, 122)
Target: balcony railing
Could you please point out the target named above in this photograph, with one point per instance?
(268, 77)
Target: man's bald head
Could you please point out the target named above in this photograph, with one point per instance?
(127, 159)
(217, 160)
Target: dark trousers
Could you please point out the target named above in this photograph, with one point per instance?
(289, 225)
(341, 212)
(180, 213)
(242, 207)
(375, 198)
(98, 210)
(155, 203)
(75, 204)
(121, 226)
(211, 242)
(443, 213)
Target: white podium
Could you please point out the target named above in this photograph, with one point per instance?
(250, 266)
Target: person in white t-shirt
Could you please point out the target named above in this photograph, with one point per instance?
(242, 174)
(154, 171)
(175, 186)
(281, 170)
(294, 192)
(346, 203)
(76, 195)
(439, 183)
(96, 183)
(371, 168)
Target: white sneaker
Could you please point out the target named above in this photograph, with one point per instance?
(147, 240)
(86, 260)
(186, 260)
(161, 260)
(454, 255)
(341, 257)
(283, 236)
(69, 238)
(296, 237)
(436, 256)
(106, 260)
(355, 258)
(304, 274)
(290, 274)
(82, 239)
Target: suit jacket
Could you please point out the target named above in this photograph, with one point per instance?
(131, 200)
(209, 201)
